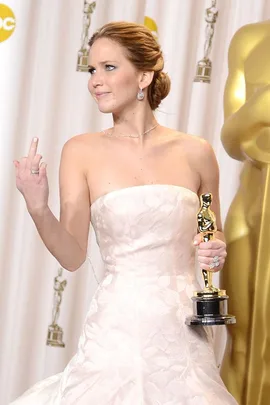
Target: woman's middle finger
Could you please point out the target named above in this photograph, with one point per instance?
(32, 152)
(36, 162)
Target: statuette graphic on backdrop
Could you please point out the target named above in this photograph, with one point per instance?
(82, 60)
(55, 332)
(204, 66)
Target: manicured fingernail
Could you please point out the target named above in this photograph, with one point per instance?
(195, 242)
(35, 139)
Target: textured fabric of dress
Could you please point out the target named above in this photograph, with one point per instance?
(135, 348)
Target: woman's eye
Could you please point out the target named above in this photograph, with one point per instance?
(109, 67)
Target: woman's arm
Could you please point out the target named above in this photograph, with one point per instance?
(207, 167)
(67, 239)
(205, 163)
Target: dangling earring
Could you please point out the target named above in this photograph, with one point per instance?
(140, 95)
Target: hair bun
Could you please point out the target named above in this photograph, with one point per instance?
(158, 89)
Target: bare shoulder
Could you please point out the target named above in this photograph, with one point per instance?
(80, 141)
(199, 152)
(193, 144)
(80, 146)
(198, 147)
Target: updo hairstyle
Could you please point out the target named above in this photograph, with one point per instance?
(143, 51)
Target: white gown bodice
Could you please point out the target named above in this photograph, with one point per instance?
(135, 348)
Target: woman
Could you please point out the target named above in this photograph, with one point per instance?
(140, 182)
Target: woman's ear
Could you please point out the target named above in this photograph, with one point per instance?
(146, 79)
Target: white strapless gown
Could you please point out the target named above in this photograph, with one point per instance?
(135, 348)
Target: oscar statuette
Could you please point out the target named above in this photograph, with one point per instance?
(204, 66)
(209, 305)
(82, 59)
(55, 332)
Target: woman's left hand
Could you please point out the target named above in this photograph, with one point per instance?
(211, 254)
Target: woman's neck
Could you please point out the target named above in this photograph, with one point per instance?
(134, 123)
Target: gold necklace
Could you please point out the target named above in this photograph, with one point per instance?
(130, 136)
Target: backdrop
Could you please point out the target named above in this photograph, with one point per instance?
(42, 95)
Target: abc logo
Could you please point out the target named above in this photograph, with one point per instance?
(7, 22)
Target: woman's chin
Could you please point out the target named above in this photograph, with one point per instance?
(112, 107)
(106, 109)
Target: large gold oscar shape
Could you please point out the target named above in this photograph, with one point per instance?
(246, 274)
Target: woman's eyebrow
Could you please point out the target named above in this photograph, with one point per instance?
(103, 63)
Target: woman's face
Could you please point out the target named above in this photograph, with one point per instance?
(114, 81)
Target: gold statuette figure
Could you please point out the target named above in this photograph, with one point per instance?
(207, 226)
(210, 304)
(55, 333)
(246, 273)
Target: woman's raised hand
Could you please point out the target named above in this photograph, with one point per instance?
(32, 181)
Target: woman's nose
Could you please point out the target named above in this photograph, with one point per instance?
(97, 80)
